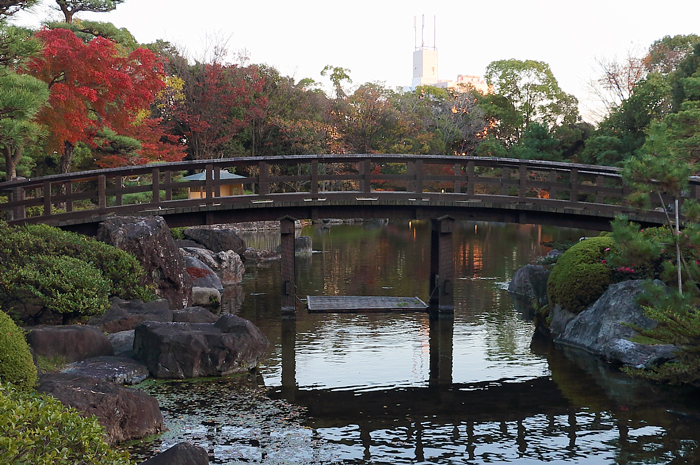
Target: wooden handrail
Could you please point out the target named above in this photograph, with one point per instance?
(561, 185)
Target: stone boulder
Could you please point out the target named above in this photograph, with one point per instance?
(254, 255)
(149, 240)
(124, 315)
(227, 264)
(194, 315)
(182, 453)
(124, 413)
(601, 327)
(206, 297)
(190, 350)
(119, 370)
(302, 245)
(530, 283)
(202, 275)
(123, 343)
(217, 240)
(72, 342)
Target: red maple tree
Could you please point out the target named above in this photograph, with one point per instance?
(92, 86)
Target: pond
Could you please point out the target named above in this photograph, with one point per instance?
(476, 387)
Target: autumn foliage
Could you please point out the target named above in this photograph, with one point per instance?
(93, 86)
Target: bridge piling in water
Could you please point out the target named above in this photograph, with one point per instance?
(442, 270)
(288, 291)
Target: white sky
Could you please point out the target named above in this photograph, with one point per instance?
(375, 38)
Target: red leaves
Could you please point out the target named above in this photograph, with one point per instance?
(95, 85)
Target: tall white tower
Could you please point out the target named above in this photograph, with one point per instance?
(425, 58)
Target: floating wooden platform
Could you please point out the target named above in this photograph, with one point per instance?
(346, 304)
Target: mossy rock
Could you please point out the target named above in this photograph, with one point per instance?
(16, 364)
(580, 277)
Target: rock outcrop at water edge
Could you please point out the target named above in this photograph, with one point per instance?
(190, 350)
(182, 453)
(217, 240)
(124, 413)
(605, 329)
(71, 343)
(528, 286)
(125, 315)
(150, 241)
(228, 264)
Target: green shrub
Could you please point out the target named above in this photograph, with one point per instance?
(120, 268)
(177, 233)
(580, 276)
(37, 429)
(16, 364)
(60, 284)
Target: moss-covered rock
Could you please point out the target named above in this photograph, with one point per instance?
(16, 364)
(580, 276)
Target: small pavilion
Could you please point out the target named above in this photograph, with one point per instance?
(231, 184)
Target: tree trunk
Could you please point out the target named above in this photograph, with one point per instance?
(67, 157)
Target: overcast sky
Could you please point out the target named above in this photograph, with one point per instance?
(375, 38)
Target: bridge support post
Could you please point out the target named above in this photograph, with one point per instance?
(289, 376)
(288, 290)
(441, 335)
(442, 270)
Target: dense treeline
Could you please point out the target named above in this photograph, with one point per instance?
(79, 95)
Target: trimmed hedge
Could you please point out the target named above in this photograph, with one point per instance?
(37, 429)
(16, 364)
(580, 276)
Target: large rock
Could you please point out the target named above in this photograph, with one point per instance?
(217, 240)
(254, 255)
(303, 245)
(72, 342)
(227, 264)
(194, 315)
(190, 350)
(123, 343)
(119, 370)
(530, 283)
(125, 315)
(149, 240)
(206, 297)
(604, 328)
(182, 453)
(124, 413)
(201, 274)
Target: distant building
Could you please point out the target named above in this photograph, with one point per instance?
(425, 67)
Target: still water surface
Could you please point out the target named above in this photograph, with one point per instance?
(476, 388)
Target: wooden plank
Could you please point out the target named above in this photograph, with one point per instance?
(343, 304)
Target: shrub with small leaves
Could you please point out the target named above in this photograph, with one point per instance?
(37, 429)
(61, 284)
(581, 275)
(16, 364)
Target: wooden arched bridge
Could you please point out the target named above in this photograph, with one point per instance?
(331, 186)
(439, 188)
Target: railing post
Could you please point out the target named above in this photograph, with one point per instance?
(168, 184)
(505, 176)
(457, 171)
(102, 191)
(288, 291)
(155, 183)
(471, 178)
(598, 187)
(18, 195)
(573, 190)
(522, 189)
(47, 198)
(314, 177)
(217, 183)
(118, 185)
(68, 189)
(264, 179)
(365, 185)
(209, 187)
(419, 176)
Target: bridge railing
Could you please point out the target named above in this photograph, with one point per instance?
(128, 190)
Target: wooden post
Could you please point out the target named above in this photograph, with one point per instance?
(442, 261)
(155, 182)
(314, 177)
(573, 192)
(457, 171)
(102, 191)
(289, 369)
(419, 176)
(47, 198)
(118, 184)
(471, 178)
(365, 172)
(264, 179)
(599, 184)
(20, 210)
(168, 185)
(505, 176)
(553, 184)
(68, 189)
(209, 187)
(522, 189)
(288, 290)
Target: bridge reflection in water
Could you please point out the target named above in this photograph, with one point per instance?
(490, 421)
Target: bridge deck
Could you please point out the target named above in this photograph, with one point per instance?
(346, 304)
